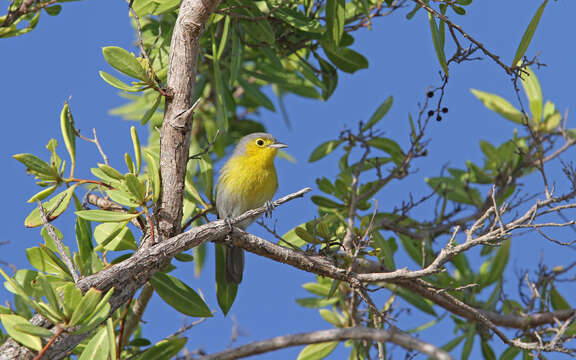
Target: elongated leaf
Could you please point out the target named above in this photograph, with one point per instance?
(325, 202)
(137, 149)
(52, 208)
(87, 305)
(317, 351)
(10, 321)
(558, 301)
(41, 195)
(179, 295)
(46, 261)
(151, 111)
(136, 188)
(323, 149)
(98, 347)
(498, 264)
(69, 134)
(30, 329)
(346, 59)
(335, 19)
(379, 113)
(124, 62)
(37, 166)
(117, 83)
(164, 349)
(114, 237)
(104, 216)
(225, 291)
(500, 105)
(438, 40)
(528, 34)
(533, 93)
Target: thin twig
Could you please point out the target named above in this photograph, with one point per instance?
(379, 335)
(58, 242)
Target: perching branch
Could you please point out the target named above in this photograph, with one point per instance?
(128, 276)
(379, 335)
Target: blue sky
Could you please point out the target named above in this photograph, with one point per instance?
(62, 57)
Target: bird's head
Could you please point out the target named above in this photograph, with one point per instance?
(258, 146)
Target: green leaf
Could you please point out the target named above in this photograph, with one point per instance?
(137, 150)
(438, 40)
(9, 321)
(225, 291)
(335, 19)
(331, 317)
(151, 111)
(253, 93)
(323, 149)
(99, 315)
(153, 174)
(135, 187)
(416, 300)
(498, 264)
(41, 195)
(346, 59)
(117, 83)
(487, 352)
(104, 215)
(528, 33)
(69, 134)
(299, 21)
(325, 202)
(164, 349)
(114, 237)
(52, 208)
(329, 78)
(124, 62)
(110, 172)
(500, 105)
(317, 288)
(314, 302)
(533, 93)
(46, 261)
(179, 295)
(469, 344)
(558, 301)
(50, 295)
(379, 113)
(37, 166)
(53, 10)
(87, 305)
(98, 347)
(389, 146)
(510, 353)
(317, 351)
(30, 329)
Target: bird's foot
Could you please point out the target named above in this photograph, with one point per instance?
(228, 222)
(269, 205)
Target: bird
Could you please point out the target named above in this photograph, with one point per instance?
(246, 181)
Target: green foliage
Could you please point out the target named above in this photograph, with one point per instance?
(254, 54)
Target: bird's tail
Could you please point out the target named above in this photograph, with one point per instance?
(234, 264)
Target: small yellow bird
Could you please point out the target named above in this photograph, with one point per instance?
(248, 180)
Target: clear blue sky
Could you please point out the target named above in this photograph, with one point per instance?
(62, 57)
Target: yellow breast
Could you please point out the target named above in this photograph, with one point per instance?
(246, 182)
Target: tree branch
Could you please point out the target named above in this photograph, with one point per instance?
(131, 274)
(378, 335)
(175, 134)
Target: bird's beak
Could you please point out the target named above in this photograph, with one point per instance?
(277, 145)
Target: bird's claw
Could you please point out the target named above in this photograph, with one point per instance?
(228, 222)
(269, 205)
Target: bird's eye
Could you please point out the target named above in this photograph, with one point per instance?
(260, 142)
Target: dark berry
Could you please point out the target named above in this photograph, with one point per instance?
(438, 118)
(444, 110)
(430, 94)
(430, 112)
